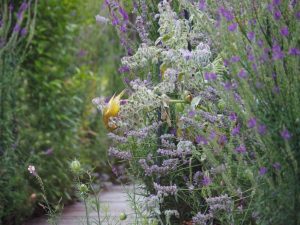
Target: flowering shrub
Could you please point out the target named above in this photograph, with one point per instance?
(211, 122)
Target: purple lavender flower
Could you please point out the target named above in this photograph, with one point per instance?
(165, 190)
(275, 89)
(251, 122)
(235, 131)
(276, 166)
(233, 116)
(119, 154)
(232, 27)
(222, 140)
(123, 28)
(11, 7)
(285, 134)
(241, 149)
(284, 31)
(210, 76)
(23, 32)
(124, 14)
(202, 5)
(22, 8)
(201, 219)
(250, 55)
(212, 135)
(226, 13)
(206, 181)
(115, 20)
(298, 15)
(235, 59)
(294, 51)
(17, 28)
(262, 129)
(124, 69)
(192, 113)
(260, 43)
(251, 35)
(277, 52)
(242, 74)
(276, 2)
(227, 85)
(201, 140)
(263, 171)
(277, 14)
(226, 62)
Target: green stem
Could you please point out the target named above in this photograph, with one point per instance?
(86, 212)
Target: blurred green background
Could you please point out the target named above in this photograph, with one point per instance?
(47, 118)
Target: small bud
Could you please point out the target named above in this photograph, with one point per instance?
(221, 104)
(123, 216)
(75, 167)
(83, 189)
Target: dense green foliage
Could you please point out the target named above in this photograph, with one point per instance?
(46, 90)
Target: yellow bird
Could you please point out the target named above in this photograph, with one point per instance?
(111, 110)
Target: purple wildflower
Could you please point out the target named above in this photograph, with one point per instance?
(241, 149)
(232, 27)
(233, 116)
(226, 62)
(123, 14)
(201, 140)
(235, 59)
(227, 86)
(17, 28)
(251, 122)
(277, 14)
(263, 171)
(242, 74)
(202, 5)
(226, 13)
(23, 32)
(276, 166)
(165, 190)
(11, 7)
(22, 8)
(212, 135)
(298, 15)
(277, 52)
(206, 181)
(276, 90)
(201, 219)
(276, 2)
(260, 43)
(222, 140)
(124, 69)
(192, 113)
(235, 131)
(210, 76)
(284, 31)
(285, 134)
(115, 20)
(252, 22)
(251, 35)
(262, 129)
(119, 154)
(294, 51)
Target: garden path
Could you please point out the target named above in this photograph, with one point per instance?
(114, 200)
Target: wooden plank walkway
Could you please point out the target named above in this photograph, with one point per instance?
(115, 200)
